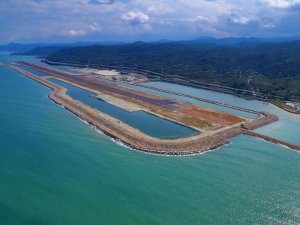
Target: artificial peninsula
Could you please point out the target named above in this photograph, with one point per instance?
(213, 128)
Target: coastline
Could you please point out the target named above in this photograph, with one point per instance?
(189, 85)
(284, 108)
(199, 118)
(232, 93)
(134, 138)
(58, 148)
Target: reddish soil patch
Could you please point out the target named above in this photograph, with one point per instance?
(186, 113)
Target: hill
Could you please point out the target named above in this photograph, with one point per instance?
(267, 68)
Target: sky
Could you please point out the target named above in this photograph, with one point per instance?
(127, 20)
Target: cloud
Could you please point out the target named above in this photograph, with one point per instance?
(74, 33)
(135, 17)
(103, 2)
(282, 3)
(89, 29)
(94, 27)
(241, 20)
(60, 20)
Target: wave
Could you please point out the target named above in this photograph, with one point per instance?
(144, 151)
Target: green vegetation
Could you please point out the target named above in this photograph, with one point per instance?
(268, 69)
(281, 104)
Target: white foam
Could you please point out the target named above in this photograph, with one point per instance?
(284, 146)
(270, 142)
(144, 151)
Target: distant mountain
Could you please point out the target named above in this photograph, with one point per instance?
(267, 68)
(42, 49)
(16, 47)
(241, 41)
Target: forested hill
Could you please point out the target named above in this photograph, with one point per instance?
(270, 68)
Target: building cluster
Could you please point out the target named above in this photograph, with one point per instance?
(294, 104)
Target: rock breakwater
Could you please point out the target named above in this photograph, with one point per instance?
(138, 140)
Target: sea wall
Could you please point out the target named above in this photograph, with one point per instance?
(138, 140)
(271, 139)
(264, 119)
(200, 99)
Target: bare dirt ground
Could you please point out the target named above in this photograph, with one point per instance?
(138, 140)
(194, 116)
(112, 75)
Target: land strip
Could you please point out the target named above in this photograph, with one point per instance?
(138, 140)
(272, 139)
(129, 107)
(200, 99)
(113, 75)
(197, 117)
(176, 79)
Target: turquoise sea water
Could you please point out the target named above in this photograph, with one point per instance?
(288, 127)
(57, 170)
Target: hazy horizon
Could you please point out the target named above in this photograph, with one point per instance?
(58, 21)
(70, 42)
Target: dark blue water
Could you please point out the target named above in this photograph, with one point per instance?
(145, 122)
(35, 72)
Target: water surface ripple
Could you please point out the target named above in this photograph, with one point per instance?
(56, 170)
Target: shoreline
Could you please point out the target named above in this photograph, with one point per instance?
(284, 109)
(137, 140)
(188, 85)
(230, 93)
(198, 117)
(273, 140)
(201, 99)
(124, 145)
(141, 108)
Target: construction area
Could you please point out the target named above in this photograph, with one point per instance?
(214, 127)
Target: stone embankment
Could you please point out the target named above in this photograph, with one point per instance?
(264, 119)
(138, 140)
(200, 99)
(271, 139)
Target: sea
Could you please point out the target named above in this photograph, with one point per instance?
(56, 169)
